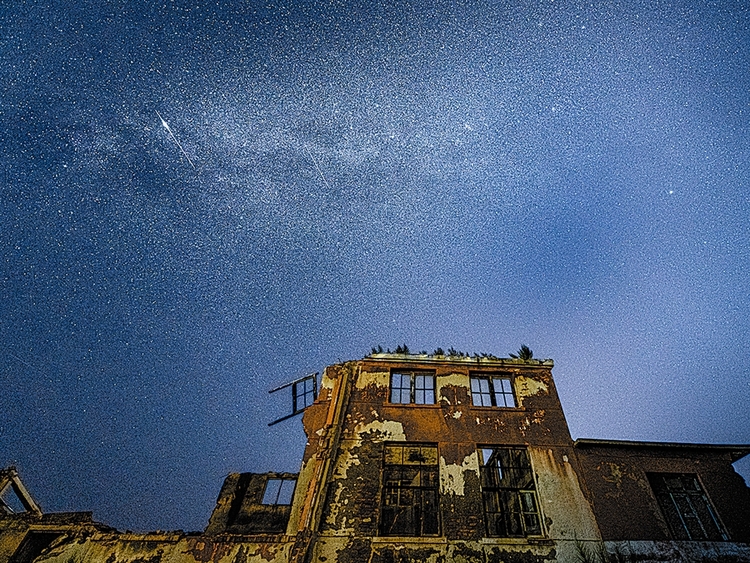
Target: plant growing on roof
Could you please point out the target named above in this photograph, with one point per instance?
(524, 353)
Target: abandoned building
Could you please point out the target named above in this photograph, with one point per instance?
(416, 457)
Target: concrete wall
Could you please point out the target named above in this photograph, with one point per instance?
(42, 531)
(239, 508)
(351, 510)
(79, 540)
(625, 505)
(170, 548)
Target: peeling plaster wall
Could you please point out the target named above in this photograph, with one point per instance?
(529, 387)
(417, 550)
(152, 548)
(349, 524)
(566, 511)
(452, 476)
(624, 503)
(306, 474)
(59, 528)
(239, 508)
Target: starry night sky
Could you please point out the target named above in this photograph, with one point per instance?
(570, 175)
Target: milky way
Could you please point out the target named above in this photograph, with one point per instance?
(341, 175)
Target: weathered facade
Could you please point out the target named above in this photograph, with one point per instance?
(434, 458)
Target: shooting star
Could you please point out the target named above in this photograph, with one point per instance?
(166, 126)
(318, 168)
(27, 364)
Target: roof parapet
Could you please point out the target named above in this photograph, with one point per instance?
(462, 359)
(736, 451)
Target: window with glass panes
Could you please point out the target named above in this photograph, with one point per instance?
(492, 391)
(685, 507)
(509, 492)
(416, 387)
(410, 491)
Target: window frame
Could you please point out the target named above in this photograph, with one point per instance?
(496, 494)
(492, 391)
(686, 504)
(413, 389)
(398, 482)
(277, 494)
(304, 393)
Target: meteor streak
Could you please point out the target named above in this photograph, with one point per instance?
(166, 126)
(318, 168)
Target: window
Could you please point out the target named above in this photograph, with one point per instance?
(492, 391)
(32, 546)
(508, 492)
(410, 491)
(413, 387)
(685, 507)
(304, 393)
(279, 491)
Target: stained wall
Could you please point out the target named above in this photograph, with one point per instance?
(350, 515)
(624, 503)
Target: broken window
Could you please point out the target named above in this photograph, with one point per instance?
(492, 391)
(279, 491)
(410, 491)
(32, 546)
(685, 507)
(304, 393)
(509, 492)
(416, 387)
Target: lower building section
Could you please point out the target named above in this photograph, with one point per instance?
(428, 459)
(179, 548)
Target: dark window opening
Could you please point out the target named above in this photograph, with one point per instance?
(685, 507)
(239, 496)
(490, 391)
(410, 491)
(413, 387)
(279, 491)
(509, 492)
(33, 545)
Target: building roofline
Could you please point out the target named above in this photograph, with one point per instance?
(736, 451)
(467, 360)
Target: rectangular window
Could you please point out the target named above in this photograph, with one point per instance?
(509, 492)
(304, 393)
(279, 491)
(492, 391)
(416, 387)
(410, 491)
(685, 507)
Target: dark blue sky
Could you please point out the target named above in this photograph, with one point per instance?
(569, 175)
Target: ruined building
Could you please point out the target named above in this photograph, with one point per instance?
(438, 459)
